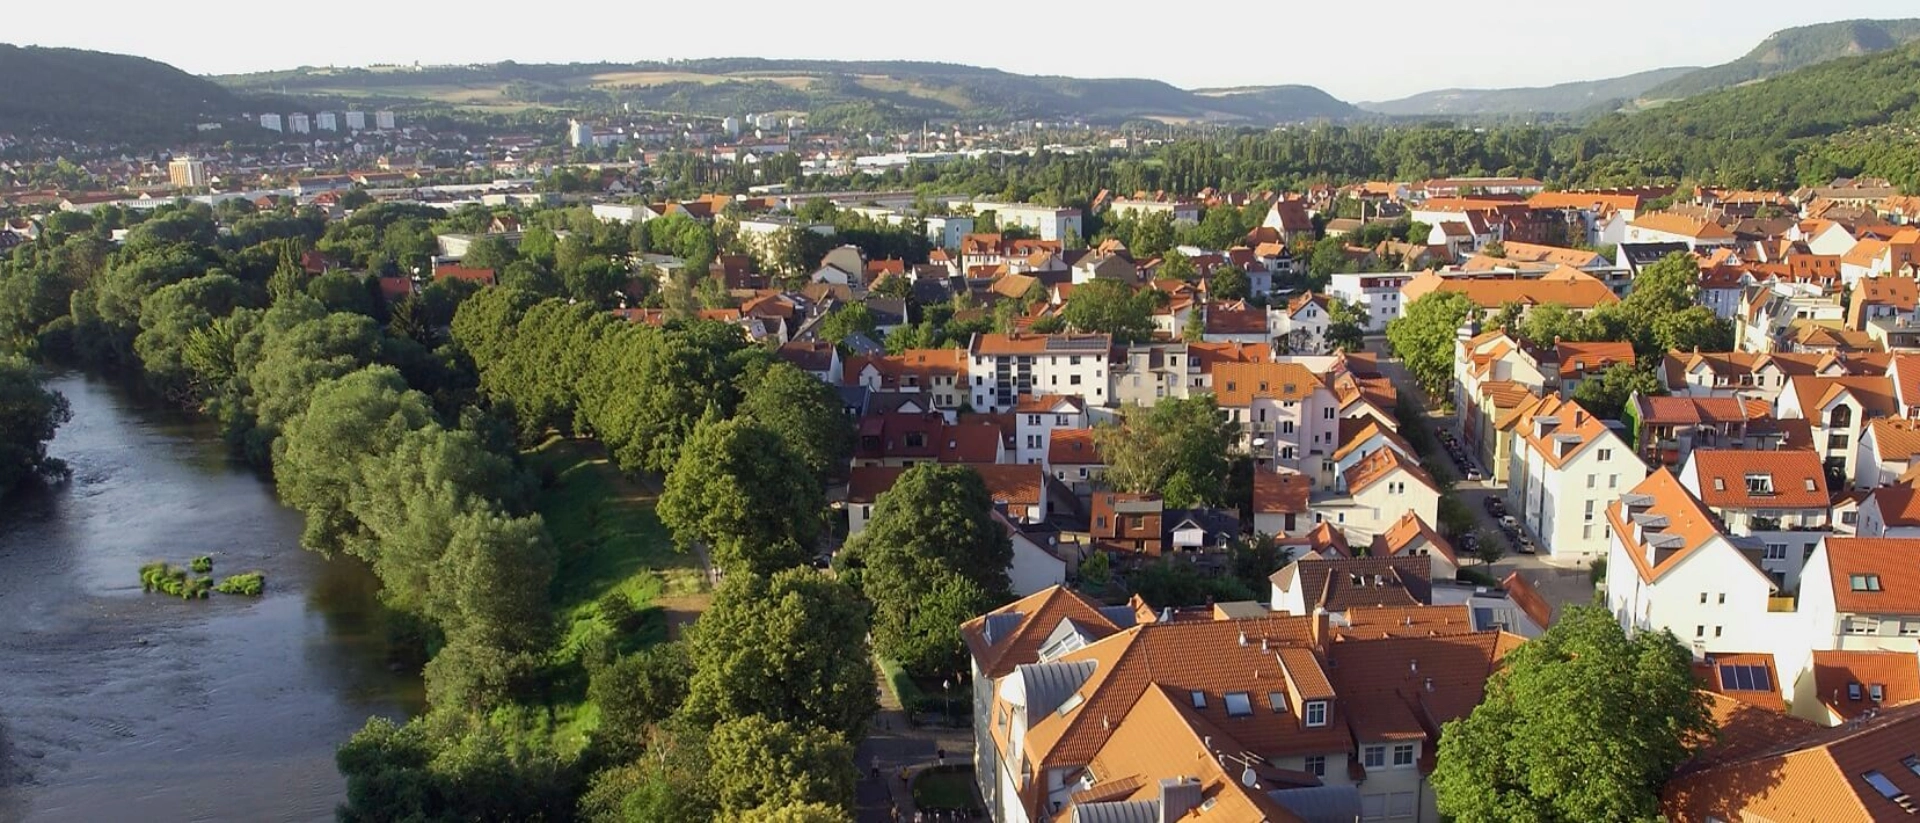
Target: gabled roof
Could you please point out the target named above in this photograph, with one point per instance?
(1162, 737)
(1874, 394)
(1577, 359)
(1566, 430)
(1682, 225)
(1895, 438)
(1237, 384)
(1660, 518)
(1012, 634)
(1798, 480)
(1749, 678)
(1339, 584)
(1381, 464)
(1017, 485)
(1406, 532)
(1819, 776)
(1284, 492)
(1845, 680)
(1575, 293)
(1359, 431)
(1073, 447)
(1874, 575)
(1323, 540)
(1681, 410)
(1899, 504)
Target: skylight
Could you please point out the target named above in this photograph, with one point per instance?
(1199, 699)
(1863, 582)
(1072, 702)
(1885, 787)
(1278, 700)
(1238, 705)
(1912, 763)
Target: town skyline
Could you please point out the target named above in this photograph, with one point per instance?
(1350, 69)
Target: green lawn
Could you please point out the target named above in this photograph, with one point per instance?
(611, 545)
(950, 788)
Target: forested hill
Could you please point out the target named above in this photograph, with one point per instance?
(1563, 98)
(854, 94)
(1852, 116)
(80, 94)
(1790, 49)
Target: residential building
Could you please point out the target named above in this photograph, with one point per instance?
(1567, 467)
(1577, 362)
(941, 374)
(1863, 593)
(1886, 451)
(1669, 428)
(1280, 504)
(1373, 493)
(1343, 586)
(1074, 460)
(1580, 293)
(1300, 327)
(1036, 418)
(1777, 499)
(1006, 367)
(188, 173)
(1844, 686)
(1410, 536)
(1854, 773)
(818, 358)
(1049, 223)
(1668, 227)
(1837, 409)
(1889, 511)
(1670, 567)
(1377, 296)
(1128, 524)
(1182, 212)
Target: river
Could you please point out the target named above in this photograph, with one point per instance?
(119, 705)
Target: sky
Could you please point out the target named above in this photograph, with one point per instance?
(1358, 52)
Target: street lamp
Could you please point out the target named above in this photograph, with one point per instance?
(946, 687)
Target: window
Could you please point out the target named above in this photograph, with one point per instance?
(1278, 701)
(1315, 765)
(1591, 480)
(1238, 705)
(1033, 420)
(1373, 757)
(1403, 754)
(1703, 598)
(1759, 484)
(1075, 380)
(1910, 628)
(1199, 699)
(1586, 532)
(1849, 517)
(1810, 484)
(1853, 691)
(1836, 442)
(1316, 713)
(1286, 426)
(1885, 787)
(1877, 692)
(1613, 481)
(1863, 582)
(1606, 454)
(1700, 631)
(1863, 625)
(1326, 413)
(1723, 598)
(1719, 485)
(1589, 510)
(1912, 763)
(1072, 702)
(1776, 551)
(1400, 804)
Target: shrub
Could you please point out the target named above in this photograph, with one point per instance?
(246, 584)
(202, 564)
(1597, 573)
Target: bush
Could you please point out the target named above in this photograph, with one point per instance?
(1477, 575)
(246, 584)
(202, 564)
(1597, 573)
(162, 578)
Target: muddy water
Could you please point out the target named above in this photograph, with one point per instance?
(117, 705)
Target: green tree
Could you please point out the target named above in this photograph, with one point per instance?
(739, 489)
(789, 647)
(1582, 723)
(1550, 323)
(762, 762)
(636, 692)
(1111, 307)
(489, 252)
(806, 413)
(1195, 329)
(1181, 448)
(1228, 282)
(1423, 338)
(1606, 394)
(1346, 326)
(1495, 249)
(29, 414)
(319, 460)
(847, 321)
(793, 813)
(1176, 266)
(169, 317)
(931, 558)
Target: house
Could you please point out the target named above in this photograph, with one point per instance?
(483, 277)
(1290, 219)
(1777, 499)
(1890, 511)
(1669, 428)
(1886, 451)
(1410, 536)
(1567, 467)
(1280, 503)
(1098, 266)
(817, 358)
(1300, 327)
(1288, 417)
(1113, 713)
(1580, 361)
(1337, 586)
(1885, 308)
(1668, 227)
(1039, 560)
(1360, 437)
(1049, 223)
(1863, 593)
(941, 374)
(1198, 530)
(1855, 773)
(1837, 410)
(1006, 367)
(903, 439)
(1843, 686)
(1580, 294)
(1234, 324)
(1375, 491)
(1376, 296)
(1036, 418)
(1074, 459)
(1670, 567)
(1128, 523)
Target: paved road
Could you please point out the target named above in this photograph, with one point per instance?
(894, 747)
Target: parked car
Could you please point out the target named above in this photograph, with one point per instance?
(1473, 472)
(1507, 522)
(1526, 544)
(1495, 507)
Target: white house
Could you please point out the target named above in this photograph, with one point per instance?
(1861, 594)
(1890, 511)
(1668, 227)
(1046, 222)
(1006, 367)
(1377, 295)
(1300, 327)
(1777, 499)
(1566, 467)
(1837, 409)
(1375, 492)
(1037, 417)
(1411, 536)
(1670, 567)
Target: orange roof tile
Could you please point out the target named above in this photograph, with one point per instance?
(1237, 384)
(1845, 680)
(1796, 478)
(1073, 447)
(1675, 523)
(1819, 776)
(1405, 532)
(1380, 464)
(1012, 634)
(1283, 492)
(1874, 575)
(1682, 225)
(1713, 677)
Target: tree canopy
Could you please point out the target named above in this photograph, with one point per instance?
(1180, 448)
(29, 414)
(743, 492)
(1423, 338)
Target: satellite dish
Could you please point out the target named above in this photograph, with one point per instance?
(1248, 778)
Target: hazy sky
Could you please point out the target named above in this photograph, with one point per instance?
(1357, 51)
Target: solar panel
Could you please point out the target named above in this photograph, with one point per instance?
(1746, 678)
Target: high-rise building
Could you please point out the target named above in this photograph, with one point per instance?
(299, 124)
(357, 120)
(327, 121)
(270, 122)
(187, 173)
(579, 134)
(384, 120)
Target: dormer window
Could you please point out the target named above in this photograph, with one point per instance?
(1316, 713)
(1759, 484)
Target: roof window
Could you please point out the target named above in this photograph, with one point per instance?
(1885, 787)
(1199, 699)
(1238, 705)
(1278, 700)
(1863, 582)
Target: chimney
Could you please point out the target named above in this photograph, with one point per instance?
(1177, 797)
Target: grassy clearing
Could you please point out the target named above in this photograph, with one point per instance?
(619, 582)
(945, 789)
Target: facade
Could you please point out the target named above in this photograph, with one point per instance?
(188, 173)
(1377, 296)
(1776, 499)
(1003, 368)
(1048, 223)
(1035, 420)
(1567, 467)
(1863, 594)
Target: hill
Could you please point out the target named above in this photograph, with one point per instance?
(1790, 49)
(1845, 117)
(90, 94)
(882, 93)
(1564, 98)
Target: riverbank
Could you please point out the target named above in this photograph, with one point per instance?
(112, 700)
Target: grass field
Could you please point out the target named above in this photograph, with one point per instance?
(945, 789)
(611, 546)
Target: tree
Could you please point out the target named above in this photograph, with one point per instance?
(1606, 394)
(1423, 338)
(1111, 307)
(1495, 249)
(1195, 329)
(668, 783)
(762, 762)
(806, 413)
(169, 317)
(789, 647)
(1228, 282)
(1582, 723)
(1180, 448)
(793, 813)
(931, 557)
(1551, 323)
(740, 490)
(1508, 318)
(637, 691)
(319, 460)
(1489, 545)
(1346, 326)
(29, 415)
(1176, 266)
(1695, 327)
(847, 321)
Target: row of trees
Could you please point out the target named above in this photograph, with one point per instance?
(29, 413)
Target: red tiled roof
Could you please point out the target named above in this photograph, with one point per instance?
(1073, 447)
(1819, 776)
(1280, 492)
(1874, 575)
(1837, 675)
(1796, 476)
